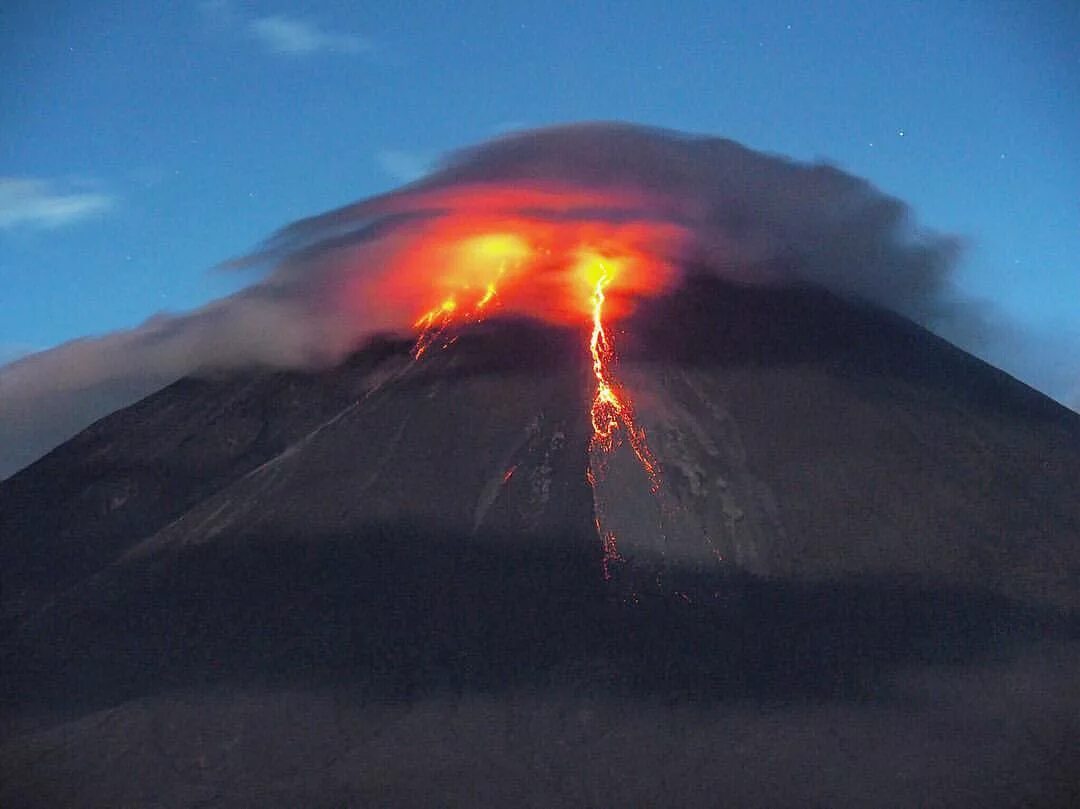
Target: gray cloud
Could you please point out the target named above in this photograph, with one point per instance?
(49, 396)
(756, 217)
(750, 216)
(32, 202)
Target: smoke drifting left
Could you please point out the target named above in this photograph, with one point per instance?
(504, 224)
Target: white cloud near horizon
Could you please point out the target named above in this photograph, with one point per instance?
(34, 202)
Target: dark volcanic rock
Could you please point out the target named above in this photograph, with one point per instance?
(382, 583)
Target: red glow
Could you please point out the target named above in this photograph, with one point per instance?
(471, 278)
(474, 250)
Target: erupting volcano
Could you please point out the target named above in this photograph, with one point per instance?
(380, 563)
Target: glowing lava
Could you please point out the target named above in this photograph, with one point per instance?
(484, 261)
(560, 258)
(609, 547)
(611, 407)
(481, 262)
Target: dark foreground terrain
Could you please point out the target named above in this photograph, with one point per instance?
(382, 584)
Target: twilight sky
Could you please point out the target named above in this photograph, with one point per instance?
(143, 142)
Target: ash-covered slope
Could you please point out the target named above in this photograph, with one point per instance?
(845, 499)
(876, 448)
(125, 477)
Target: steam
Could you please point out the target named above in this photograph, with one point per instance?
(747, 216)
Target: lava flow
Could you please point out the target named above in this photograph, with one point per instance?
(559, 266)
(611, 412)
(492, 254)
(611, 407)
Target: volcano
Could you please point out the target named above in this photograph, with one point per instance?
(852, 577)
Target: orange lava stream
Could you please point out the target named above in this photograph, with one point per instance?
(611, 407)
(477, 252)
(485, 271)
(432, 324)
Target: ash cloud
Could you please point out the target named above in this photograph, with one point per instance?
(751, 217)
(756, 217)
(48, 397)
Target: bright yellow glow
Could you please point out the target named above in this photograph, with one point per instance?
(475, 263)
(496, 247)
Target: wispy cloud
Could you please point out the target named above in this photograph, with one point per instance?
(294, 37)
(403, 166)
(27, 201)
(281, 34)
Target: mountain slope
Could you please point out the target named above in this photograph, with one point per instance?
(856, 522)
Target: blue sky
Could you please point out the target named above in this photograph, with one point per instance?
(143, 142)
